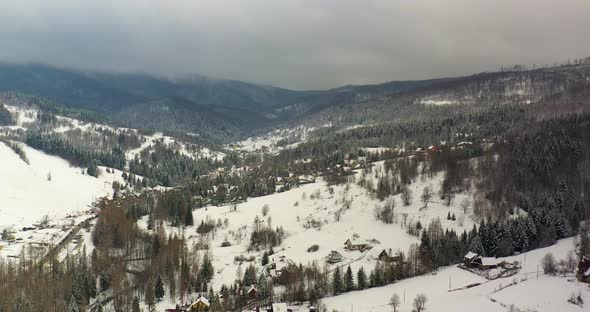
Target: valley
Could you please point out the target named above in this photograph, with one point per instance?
(335, 208)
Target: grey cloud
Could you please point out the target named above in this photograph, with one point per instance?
(294, 43)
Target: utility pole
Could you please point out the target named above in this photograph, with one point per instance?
(449, 281)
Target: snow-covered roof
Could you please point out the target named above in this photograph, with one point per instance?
(279, 307)
(470, 255)
(489, 261)
(203, 300)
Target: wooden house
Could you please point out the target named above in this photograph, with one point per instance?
(334, 257)
(469, 259)
(583, 273)
(386, 255)
(360, 247)
(252, 292)
(202, 304)
(474, 260)
(488, 263)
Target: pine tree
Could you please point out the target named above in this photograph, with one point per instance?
(206, 271)
(426, 251)
(349, 279)
(560, 225)
(265, 258)
(159, 289)
(188, 219)
(337, 286)
(361, 278)
(249, 275)
(476, 245)
(584, 245)
(312, 296)
(73, 306)
(135, 305)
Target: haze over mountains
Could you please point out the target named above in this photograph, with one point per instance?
(221, 109)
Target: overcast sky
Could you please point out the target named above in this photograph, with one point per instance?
(298, 44)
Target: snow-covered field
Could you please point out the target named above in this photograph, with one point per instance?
(532, 291)
(181, 147)
(294, 209)
(270, 140)
(27, 194)
(25, 117)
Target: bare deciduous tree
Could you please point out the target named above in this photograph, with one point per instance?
(395, 302)
(420, 302)
(426, 195)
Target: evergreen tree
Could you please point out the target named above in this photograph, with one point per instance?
(92, 170)
(313, 296)
(135, 305)
(426, 252)
(348, 279)
(188, 219)
(584, 245)
(476, 245)
(265, 258)
(337, 286)
(206, 271)
(73, 306)
(361, 278)
(249, 276)
(159, 289)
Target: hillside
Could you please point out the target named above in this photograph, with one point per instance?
(412, 174)
(529, 290)
(216, 108)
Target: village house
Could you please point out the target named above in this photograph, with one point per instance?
(388, 256)
(474, 260)
(488, 263)
(352, 247)
(202, 304)
(252, 292)
(279, 266)
(469, 258)
(334, 257)
(583, 273)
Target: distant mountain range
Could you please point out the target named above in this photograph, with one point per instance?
(221, 108)
(226, 109)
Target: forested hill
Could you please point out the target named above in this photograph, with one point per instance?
(223, 110)
(215, 108)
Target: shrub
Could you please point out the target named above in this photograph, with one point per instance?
(549, 264)
(313, 248)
